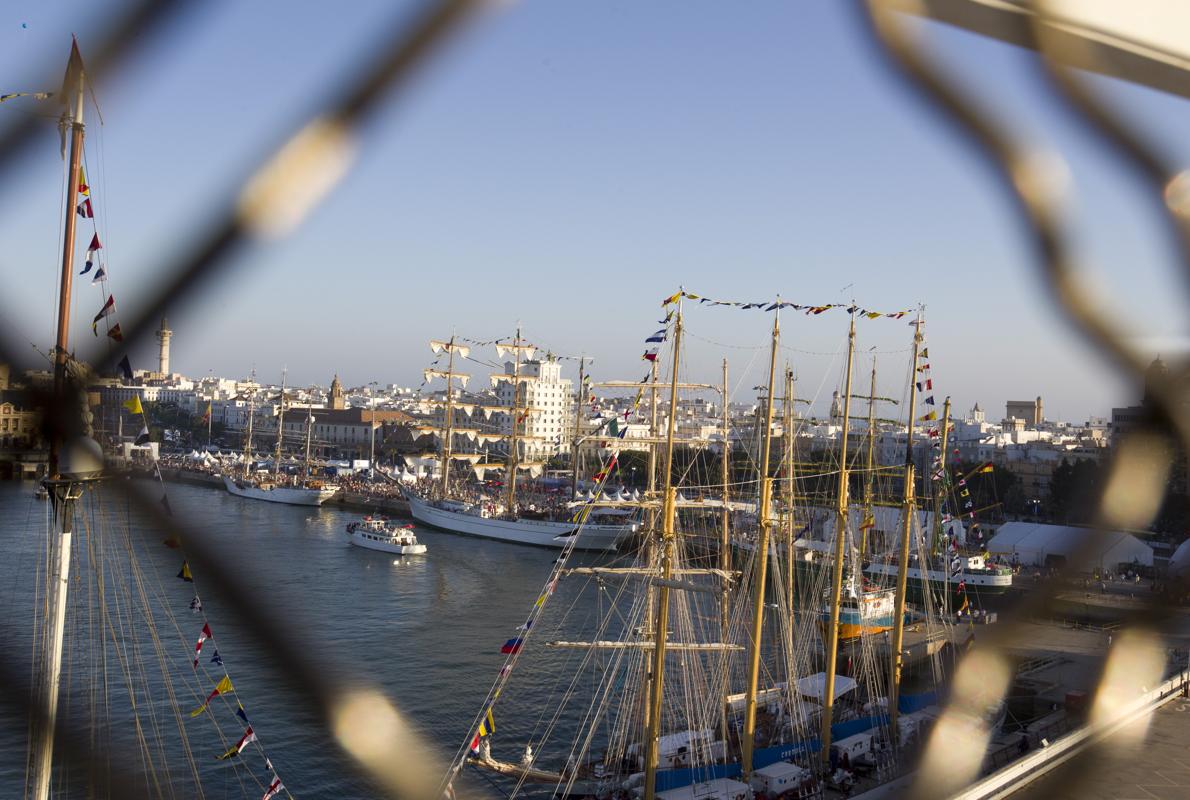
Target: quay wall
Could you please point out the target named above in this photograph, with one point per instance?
(389, 506)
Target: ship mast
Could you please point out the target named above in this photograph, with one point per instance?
(578, 414)
(869, 476)
(251, 418)
(898, 630)
(64, 489)
(511, 463)
(449, 413)
(940, 492)
(309, 436)
(748, 737)
(280, 425)
(832, 639)
(660, 628)
(725, 546)
(790, 486)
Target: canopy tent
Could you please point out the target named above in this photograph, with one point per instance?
(813, 686)
(1038, 545)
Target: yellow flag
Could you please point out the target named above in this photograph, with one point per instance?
(134, 405)
(488, 726)
(671, 299)
(222, 687)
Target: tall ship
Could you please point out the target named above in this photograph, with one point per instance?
(276, 487)
(716, 672)
(472, 507)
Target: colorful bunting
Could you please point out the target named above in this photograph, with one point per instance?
(125, 368)
(115, 333)
(780, 304)
(84, 209)
(275, 786)
(184, 574)
(512, 646)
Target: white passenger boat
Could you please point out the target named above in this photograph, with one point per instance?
(378, 533)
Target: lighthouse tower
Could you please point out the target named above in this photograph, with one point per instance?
(163, 337)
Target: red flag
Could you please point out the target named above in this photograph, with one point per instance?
(95, 245)
(202, 637)
(84, 209)
(116, 333)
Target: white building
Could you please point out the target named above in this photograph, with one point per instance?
(547, 395)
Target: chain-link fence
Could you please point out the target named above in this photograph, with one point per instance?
(307, 162)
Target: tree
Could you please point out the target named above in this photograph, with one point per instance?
(1074, 488)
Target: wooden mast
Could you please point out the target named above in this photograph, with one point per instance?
(940, 494)
(869, 476)
(280, 425)
(578, 412)
(790, 488)
(898, 631)
(450, 416)
(650, 532)
(65, 491)
(511, 464)
(725, 547)
(73, 85)
(309, 437)
(832, 639)
(661, 626)
(251, 421)
(748, 736)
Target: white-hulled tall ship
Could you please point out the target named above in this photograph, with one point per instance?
(475, 512)
(278, 488)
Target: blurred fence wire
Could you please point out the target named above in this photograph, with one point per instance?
(309, 161)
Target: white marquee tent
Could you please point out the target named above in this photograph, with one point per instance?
(1034, 543)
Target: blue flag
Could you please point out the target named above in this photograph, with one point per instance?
(217, 659)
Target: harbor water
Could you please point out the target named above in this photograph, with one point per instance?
(426, 630)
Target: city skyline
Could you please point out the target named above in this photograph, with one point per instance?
(535, 175)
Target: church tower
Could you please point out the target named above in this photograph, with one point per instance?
(336, 399)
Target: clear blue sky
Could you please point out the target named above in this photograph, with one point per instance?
(567, 165)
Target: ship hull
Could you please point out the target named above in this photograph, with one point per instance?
(288, 495)
(542, 533)
(975, 583)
